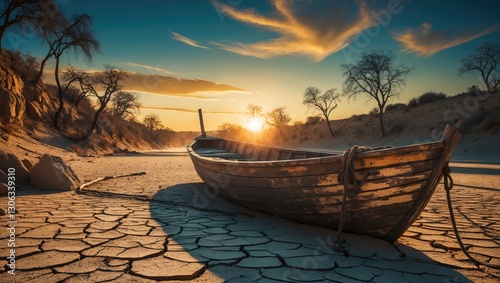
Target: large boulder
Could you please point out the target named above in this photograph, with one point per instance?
(52, 173)
(10, 160)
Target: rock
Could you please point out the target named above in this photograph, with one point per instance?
(28, 164)
(29, 93)
(11, 94)
(10, 160)
(10, 80)
(12, 107)
(4, 189)
(52, 173)
(33, 94)
(32, 111)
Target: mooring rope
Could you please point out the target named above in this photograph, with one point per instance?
(448, 185)
(347, 177)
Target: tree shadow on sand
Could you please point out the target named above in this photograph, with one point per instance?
(215, 239)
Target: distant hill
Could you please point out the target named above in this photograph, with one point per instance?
(28, 110)
(477, 115)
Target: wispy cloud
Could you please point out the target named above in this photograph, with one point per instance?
(186, 40)
(184, 95)
(303, 27)
(189, 110)
(156, 70)
(169, 109)
(426, 42)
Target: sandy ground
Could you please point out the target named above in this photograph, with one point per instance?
(167, 226)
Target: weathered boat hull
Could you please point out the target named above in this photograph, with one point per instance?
(303, 186)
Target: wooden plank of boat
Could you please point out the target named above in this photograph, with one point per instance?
(302, 185)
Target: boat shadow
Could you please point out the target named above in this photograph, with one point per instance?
(230, 242)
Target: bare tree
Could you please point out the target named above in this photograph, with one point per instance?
(152, 122)
(15, 12)
(81, 77)
(125, 104)
(31, 62)
(253, 111)
(72, 75)
(229, 130)
(109, 81)
(103, 86)
(74, 35)
(375, 74)
(34, 14)
(25, 65)
(486, 60)
(278, 118)
(323, 102)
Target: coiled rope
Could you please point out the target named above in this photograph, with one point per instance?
(347, 178)
(448, 185)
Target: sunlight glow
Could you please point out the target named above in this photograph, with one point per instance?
(255, 124)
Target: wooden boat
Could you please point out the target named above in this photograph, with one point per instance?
(303, 185)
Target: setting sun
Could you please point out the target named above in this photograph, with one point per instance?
(255, 124)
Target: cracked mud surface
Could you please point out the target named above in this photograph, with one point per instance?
(167, 226)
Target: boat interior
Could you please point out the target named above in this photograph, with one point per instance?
(244, 151)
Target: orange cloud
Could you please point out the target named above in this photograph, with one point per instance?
(427, 42)
(186, 40)
(188, 110)
(302, 31)
(168, 85)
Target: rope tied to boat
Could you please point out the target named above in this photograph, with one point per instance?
(347, 175)
(448, 185)
(347, 178)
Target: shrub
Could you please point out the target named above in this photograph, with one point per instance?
(395, 106)
(25, 65)
(356, 118)
(474, 90)
(312, 120)
(413, 103)
(431, 96)
(374, 111)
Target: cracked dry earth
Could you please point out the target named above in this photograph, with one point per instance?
(133, 230)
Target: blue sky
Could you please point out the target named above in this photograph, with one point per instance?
(269, 52)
